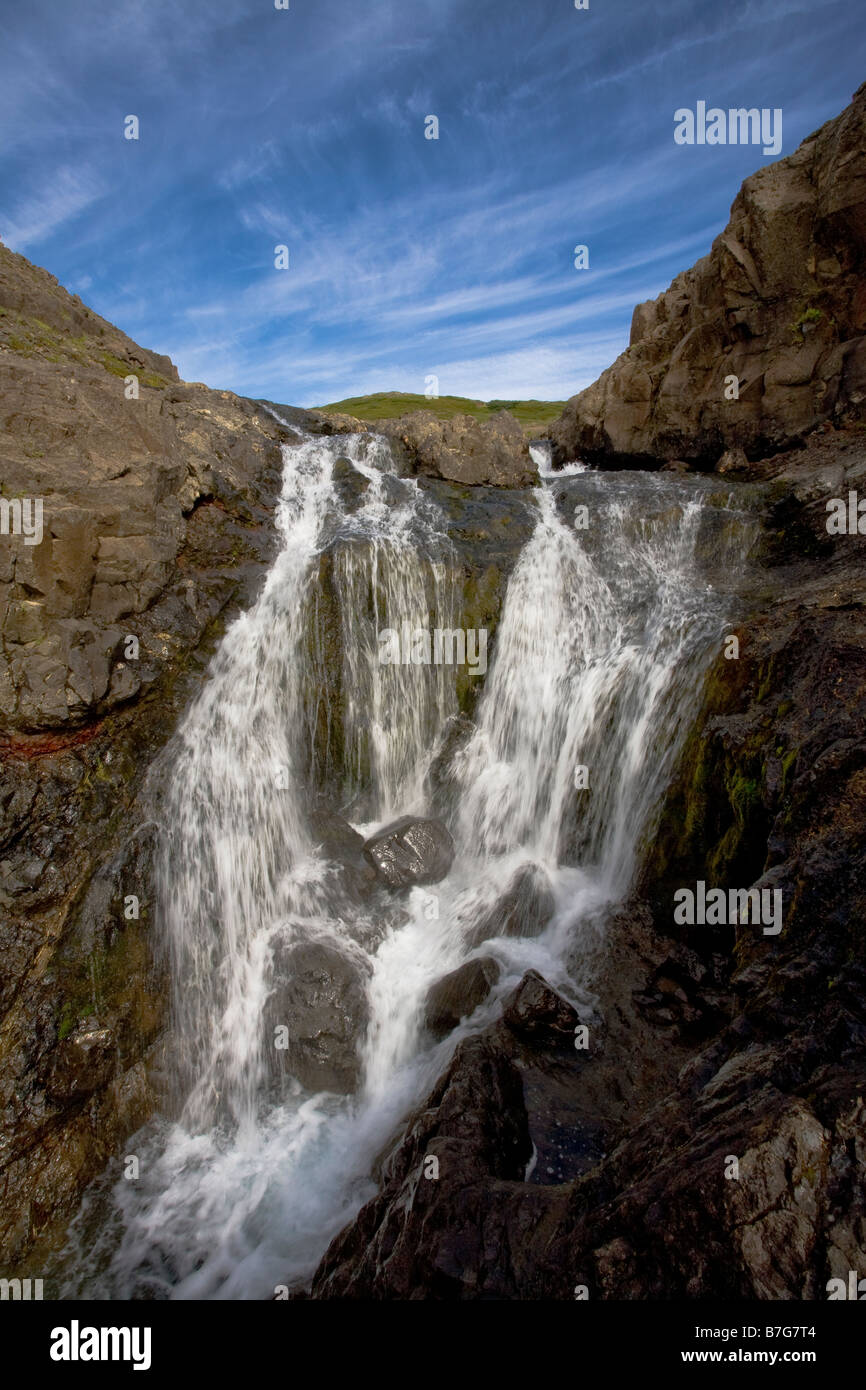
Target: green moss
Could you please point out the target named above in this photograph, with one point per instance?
(766, 679)
(68, 1020)
(480, 611)
(806, 312)
(33, 337)
(115, 365)
(102, 980)
(788, 762)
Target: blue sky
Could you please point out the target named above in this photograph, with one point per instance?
(408, 256)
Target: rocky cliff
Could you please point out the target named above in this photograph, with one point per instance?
(605, 1170)
(710, 1140)
(762, 339)
(156, 517)
(157, 503)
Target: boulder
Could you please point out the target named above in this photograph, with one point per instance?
(411, 851)
(335, 836)
(524, 909)
(343, 846)
(465, 450)
(459, 993)
(537, 1013)
(319, 995)
(351, 485)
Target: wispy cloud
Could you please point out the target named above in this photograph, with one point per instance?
(305, 127)
(41, 213)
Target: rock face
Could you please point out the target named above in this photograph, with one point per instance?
(779, 303)
(465, 450)
(411, 851)
(136, 493)
(474, 1126)
(706, 1045)
(450, 1230)
(157, 524)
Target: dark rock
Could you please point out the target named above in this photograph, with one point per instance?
(456, 734)
(350, 484)
(458, 994)
(523, 910)
(538, 1013)
(471, 1130)
(338, 842)
(335, 836)
(411, 851)
(319, 995)
(82, 1064)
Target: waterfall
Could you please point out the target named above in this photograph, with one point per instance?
(606, 630)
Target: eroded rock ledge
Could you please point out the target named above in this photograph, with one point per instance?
(158, 524)
(779, 303)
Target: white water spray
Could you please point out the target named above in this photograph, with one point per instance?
(601, 646)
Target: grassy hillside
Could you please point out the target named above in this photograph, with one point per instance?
(388, 405)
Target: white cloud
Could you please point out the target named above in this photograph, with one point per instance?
(63, 195)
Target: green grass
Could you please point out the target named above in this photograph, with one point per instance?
(390, 405)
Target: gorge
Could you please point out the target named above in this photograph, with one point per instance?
(236, 1060)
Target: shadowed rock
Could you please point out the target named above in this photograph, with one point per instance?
(523, 910)
(537, 1012)
(458, 994)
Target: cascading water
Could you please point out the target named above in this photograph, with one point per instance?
(605, 633)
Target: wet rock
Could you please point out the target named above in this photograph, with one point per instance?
(411, 851)
(733, 463)
(536, 1012)
(334, 835)
(472, 1130)
(458, 994)
(523, 910)
(350, 484)
(455, 735)
(83, 1063)
(318, 995)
